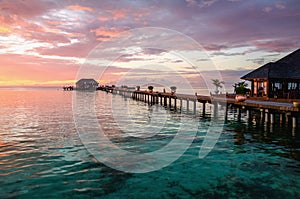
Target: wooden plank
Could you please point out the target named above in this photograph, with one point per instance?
(250, 103)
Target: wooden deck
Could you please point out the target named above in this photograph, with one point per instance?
(280, 106)
(259, 104)
(268, 109)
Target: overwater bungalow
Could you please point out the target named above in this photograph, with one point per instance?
(86, 84)
(277, 80)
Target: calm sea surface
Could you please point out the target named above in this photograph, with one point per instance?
(42, 156)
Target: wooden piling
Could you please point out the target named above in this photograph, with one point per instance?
(239, 111)
(287, 113)
(215, 109)
(165, 101)
(180, 103)
(281, 118)
(294, 122)
(272, 118)
(187, 105)
(203, 108)
(226, 113)
(266, 115)
(262, 115)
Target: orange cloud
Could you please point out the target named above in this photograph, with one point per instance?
(118, 14)
(31, 70)
(112, 15)
(105, 33)
(101, 18)
(4, 29)
(27, 82)
(82, 8)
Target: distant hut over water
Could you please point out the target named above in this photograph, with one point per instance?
(280, 79)
(86, 84)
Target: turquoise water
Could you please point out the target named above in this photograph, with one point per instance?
(41, 154)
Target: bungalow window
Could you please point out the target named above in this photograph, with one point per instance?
(255, 88)
(292, 85)
(278, 85)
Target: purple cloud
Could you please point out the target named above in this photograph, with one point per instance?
(72, 29)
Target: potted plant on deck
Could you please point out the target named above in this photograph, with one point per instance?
(150, 89)
(241, 91)
(173, 89)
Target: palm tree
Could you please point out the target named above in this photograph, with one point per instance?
(241, 88)
(218, 84)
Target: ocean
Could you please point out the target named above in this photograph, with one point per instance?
(61, 144)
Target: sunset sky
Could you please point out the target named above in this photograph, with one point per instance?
(46, 42)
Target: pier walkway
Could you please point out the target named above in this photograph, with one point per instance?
(268, 109)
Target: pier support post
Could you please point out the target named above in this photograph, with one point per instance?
(226, 113)
(281, 118)
(170, 101)
(175, 103)
(195, 107)
(203, 108)
(249, 116)
(287, 117)
(152, 99)
(266, 115)
(239, 112)
(262, 115)
(165, 101)
(187, 105)
(272, 118)
(248, 113)
(215, 104)
(294, 122)
(180, 103)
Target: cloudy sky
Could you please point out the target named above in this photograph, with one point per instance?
(46, 42)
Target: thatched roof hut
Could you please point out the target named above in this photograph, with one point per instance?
(86, 84)
(280, 79)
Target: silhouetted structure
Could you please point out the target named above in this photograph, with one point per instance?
(280, 79)
(68, 88)
(86, 84)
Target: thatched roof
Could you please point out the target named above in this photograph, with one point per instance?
(286, 68)
(89, 81)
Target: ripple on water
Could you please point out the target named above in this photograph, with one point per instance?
(41, 155)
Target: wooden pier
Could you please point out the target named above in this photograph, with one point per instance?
(285, 112)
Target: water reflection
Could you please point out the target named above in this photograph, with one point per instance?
(280, 139)
(40, 154)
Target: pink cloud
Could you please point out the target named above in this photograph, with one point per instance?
(191, 2)
(35, 69)
(280, 6)
(267, 9)
(277, 45)
(82, 8)
(61, 28)
(80, 49)
(104, 33)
